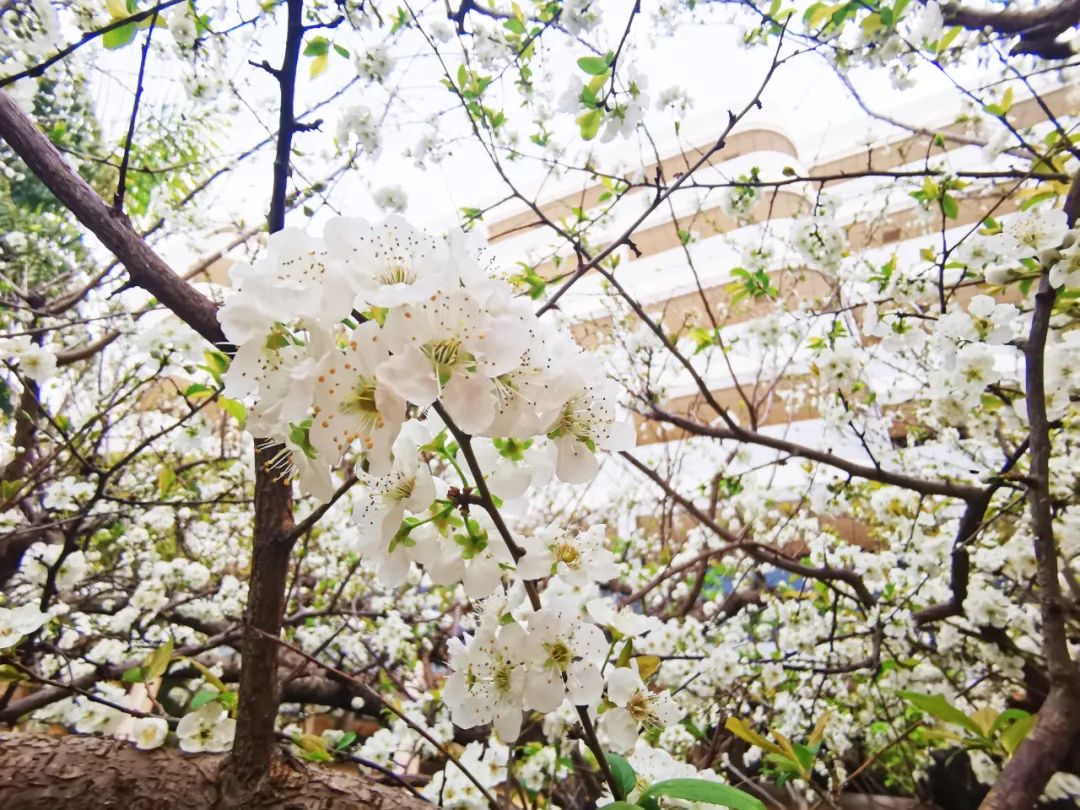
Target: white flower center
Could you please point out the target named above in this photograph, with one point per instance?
(559, 654)
(568, 553)
(445, 354)
(397, 274)
(402, 490)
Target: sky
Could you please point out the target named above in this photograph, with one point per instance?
(804, 99)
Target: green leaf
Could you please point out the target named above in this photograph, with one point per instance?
(197, 389)
(593, 65)
(620, 806)
(815, 14)
(8, 489)
(1015, 734)
(133, 675)
(216, 363)
(158, 661)
(805, 756)
(947, 39)
(647, 665)
(318, 66)
(702, 790)
(949, 207)
(1006, 717)
(596, 84)
(937, 706)
(589, 123)
(205, 671)
(872, 23)
(818, 734)
(744, 732)
(233, 408)
(342, 50)
(1035, 199)
(319, 46)
(346, 740)
(202, 697)
(623, 771)
(118, 37)
(10, 674)
(6, 407)
(166, 478)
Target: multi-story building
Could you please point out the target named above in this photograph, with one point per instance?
(680, 264)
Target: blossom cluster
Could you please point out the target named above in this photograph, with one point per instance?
(349, 348)
(342, 340)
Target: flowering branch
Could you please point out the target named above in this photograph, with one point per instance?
(39, 69)
(488, 503)
(273, 538)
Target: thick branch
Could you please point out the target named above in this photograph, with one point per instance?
(1044, 749)
(146, 268)
(1045, 20)
(1038, 28)
(1039, 755)
(257, 705)
(42, 772)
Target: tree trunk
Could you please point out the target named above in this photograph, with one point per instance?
(73, 772)
(259, 695)
(1039, 756)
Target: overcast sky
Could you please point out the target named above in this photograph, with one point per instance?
(804, 99)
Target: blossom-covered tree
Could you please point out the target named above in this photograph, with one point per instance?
(522, 509)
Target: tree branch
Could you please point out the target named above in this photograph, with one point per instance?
(259, 694)
(121, 184)
(1038, 27)
(947, 489)
(1041, 753)
(145, 267)
(40, 68)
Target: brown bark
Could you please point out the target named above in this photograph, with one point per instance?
(1057, 18)
(259, 694)
(1038, 27)
(259, 697)
(73, 772)
(1041, 754)
(13, 544)
(322, 691)
(146, 268)
(1044, 751)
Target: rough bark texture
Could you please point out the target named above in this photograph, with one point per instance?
(72, 772)
(259, 696)
(1054, 17)
(1040, 756)
(1045, 749)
